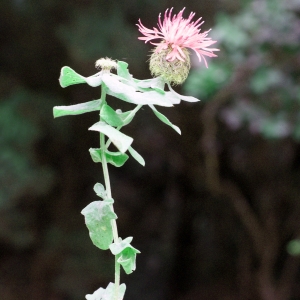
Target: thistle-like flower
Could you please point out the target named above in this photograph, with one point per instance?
(170, 59)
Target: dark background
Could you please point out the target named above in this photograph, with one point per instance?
(215, 211)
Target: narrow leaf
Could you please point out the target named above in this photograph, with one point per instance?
(136, 156)
(179, 97)
(77, 109)
(156, 84)
(164, 119)
(98, 216)
(129, 94)
(120, 140)
(68, 77)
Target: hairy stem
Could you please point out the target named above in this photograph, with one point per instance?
(103, 148)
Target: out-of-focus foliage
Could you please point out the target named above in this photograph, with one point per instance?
(47, 174)
(264, 40)
(21, 175)
(99, 30)
(293, 247)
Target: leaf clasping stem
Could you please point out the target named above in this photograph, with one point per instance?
(133, 112)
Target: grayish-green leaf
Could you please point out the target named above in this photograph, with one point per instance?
(95, 154)
(164, 119)
(177, 97)
(122, 70)
(69, 77)
(77, 109)
(108, 293)
(112, 118)
(117, 159)
(126, 254)
(126, 116)
(98, 216)
(100, 190)
(129, 94)
(120, 140)
(156, 83)
(136, 156)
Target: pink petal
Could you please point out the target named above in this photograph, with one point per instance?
(179, 33)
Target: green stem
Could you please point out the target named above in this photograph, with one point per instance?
(103, 148)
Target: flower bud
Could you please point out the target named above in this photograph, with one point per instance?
(106, 64)
(175, 71)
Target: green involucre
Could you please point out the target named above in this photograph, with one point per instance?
(175, 71)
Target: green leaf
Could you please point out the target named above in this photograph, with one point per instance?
(95, 154)
(117, 159)
(129, 94)
(120, 140)
(110, 116)
(136, 156)
(164, 119)
(177, 97)
(100, 190)
(108, 293)
(125, 116)
(77, 109)
(68, 77)
(156, 84)
(98, 216)
(122, 70)
(125, 253)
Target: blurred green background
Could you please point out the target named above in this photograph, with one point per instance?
(215, 212)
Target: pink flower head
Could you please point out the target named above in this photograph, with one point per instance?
(178, 33)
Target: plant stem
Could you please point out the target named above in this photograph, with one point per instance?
(103, 148)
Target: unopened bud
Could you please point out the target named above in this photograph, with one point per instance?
(106, 64)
